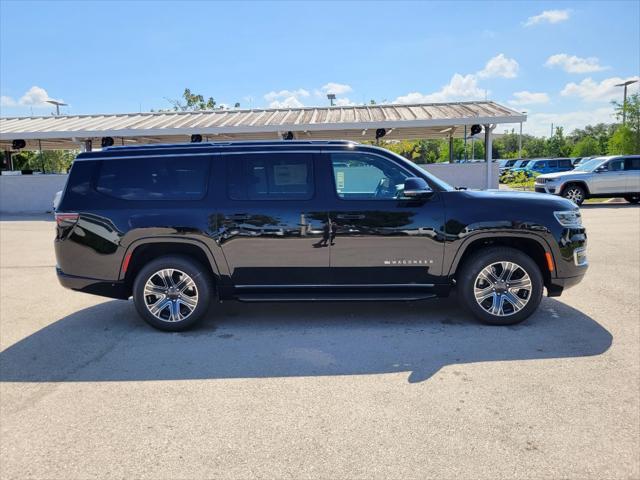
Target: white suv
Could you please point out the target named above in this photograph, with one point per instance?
(615, 176)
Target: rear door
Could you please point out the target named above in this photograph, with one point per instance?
(632, 173)
(273, 221)
(377, 236)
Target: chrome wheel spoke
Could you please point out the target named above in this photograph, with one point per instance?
(175, 312)
(159, 305)
(517, 302)
(523, 283)
(188, 301)
(483, 294)
(153, 289)
(497, 304)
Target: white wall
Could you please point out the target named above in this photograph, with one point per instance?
(34, 193)
(470, 175)
(29, 193)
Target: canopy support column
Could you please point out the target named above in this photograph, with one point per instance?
(488, 145)
(450, 148)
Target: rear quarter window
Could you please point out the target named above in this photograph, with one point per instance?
(172, 178)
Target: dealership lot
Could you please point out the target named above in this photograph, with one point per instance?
(367, 390)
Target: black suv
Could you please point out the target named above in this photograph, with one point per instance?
(175, 226)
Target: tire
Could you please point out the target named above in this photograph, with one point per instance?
(632, 199)
(172, 293)
(575, 193)
(515, 305)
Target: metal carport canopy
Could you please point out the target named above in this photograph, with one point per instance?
(359, 123)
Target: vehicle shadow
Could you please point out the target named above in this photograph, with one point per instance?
(108, 342)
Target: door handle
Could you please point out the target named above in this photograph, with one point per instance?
(349, 217)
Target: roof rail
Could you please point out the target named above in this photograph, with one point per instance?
(151, 146)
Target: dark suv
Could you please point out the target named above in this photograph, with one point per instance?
(176, 226)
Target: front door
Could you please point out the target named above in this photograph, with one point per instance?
(271, 229)
(377, 236)
(611, 180)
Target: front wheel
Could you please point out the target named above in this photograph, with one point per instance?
(575, 193)
(172, 293)
(632, 199)
(500, 285)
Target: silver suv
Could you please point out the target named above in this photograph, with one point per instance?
(615, 176)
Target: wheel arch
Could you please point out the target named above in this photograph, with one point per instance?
(144, 250)
(534, 246)
(580, 183)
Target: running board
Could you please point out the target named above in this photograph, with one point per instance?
(335, 296)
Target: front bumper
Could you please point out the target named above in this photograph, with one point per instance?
(93, 286)
(557, 285)
(552, 189)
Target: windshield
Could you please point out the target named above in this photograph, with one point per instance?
(590, 165)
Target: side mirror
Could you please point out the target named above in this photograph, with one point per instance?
(416, 187)
(602, 168)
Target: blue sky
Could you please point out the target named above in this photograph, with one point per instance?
(558, 61)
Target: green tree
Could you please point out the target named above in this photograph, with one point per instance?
(629, 138)
(557, 146)
(623, 142)
(586, 147)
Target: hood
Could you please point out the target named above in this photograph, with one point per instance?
(530, 199)
(568, 173)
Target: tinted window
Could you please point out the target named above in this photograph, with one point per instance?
(173, 178)
(360, 176)
(632, 164)
(552, 163)
(565, 163)
(274, 176)
(616, 165)
(538, 165)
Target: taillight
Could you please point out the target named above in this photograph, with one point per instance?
(65, 220)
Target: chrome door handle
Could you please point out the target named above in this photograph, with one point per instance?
(349, 217)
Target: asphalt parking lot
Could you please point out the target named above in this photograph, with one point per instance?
(370, 390)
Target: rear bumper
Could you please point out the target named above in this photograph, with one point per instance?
(93, 286)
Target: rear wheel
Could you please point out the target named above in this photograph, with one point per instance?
(172, 293)
(633, 199)
(575, 193)
(500, 285)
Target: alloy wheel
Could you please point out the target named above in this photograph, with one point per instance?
(574, 194)
(502, 288)
(170, 295)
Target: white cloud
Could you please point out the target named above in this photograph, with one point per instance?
(34, 97)
(459, 87)
(548, 16)
(500, 66)
(529, 98)
(465, 87)
(343, 102)
(286, 98)
(573, 64)
(592, 91)
(336, 88)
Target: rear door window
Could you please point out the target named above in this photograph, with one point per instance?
(163, 178)
(270, 176)
(632, 163)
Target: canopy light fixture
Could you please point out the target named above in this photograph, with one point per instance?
(106, 142)
(475, 129)
(196, 138)
(18, 144)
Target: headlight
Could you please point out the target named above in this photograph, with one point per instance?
(569, 218)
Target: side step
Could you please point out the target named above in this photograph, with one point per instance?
(335, 296)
